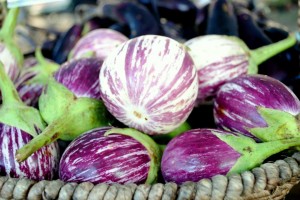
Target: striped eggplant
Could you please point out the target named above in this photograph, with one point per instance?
(244, 102)
(204, 153)
(97, 43)
(33, 76)
(111, 155)
(70, 104)
(10, 54)
(18, 125)
(149, 83)
(220, 58)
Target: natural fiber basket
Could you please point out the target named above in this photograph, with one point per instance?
(272, 180)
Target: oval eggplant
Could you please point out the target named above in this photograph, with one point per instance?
(97, 43)
(235, 105)
(149, 83)
(204, 153)
(115, 158)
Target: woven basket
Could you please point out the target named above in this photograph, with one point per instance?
(272, 180)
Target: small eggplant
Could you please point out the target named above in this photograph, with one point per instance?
(33, 76)
(222, 19)
(219, 59)
(257, 106)
(111, 155)
(70, 104)
(10, 54)
(97, 43)
(19, 124)
(204, 153)
(65, 42)
(138, 17)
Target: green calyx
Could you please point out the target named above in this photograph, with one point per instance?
(7, 34)
(280, 125)
(67, 117)
(14, 112)
(253, 154)
(152, 148)
(43, 70)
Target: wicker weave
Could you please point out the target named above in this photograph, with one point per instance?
(272, 180)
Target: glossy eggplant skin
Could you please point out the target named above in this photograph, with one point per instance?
(222, 19)
(138, 17)
(65, 42)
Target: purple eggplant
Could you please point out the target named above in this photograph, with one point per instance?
(111, 155)
(204, 153)
(219, 59)
(19, 124)
(222, 19)
(97, 43)
(257, 104)
(65, 42)
(33, 77)
(10, 54)
(70, 104)
(137, 16)
(149, 83)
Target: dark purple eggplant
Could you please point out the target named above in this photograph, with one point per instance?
(257, 106)
(249, 31)
(138, 17)
(111, 155)
(19, 124)
(204, 153)
(65, 42)
(70, 104)
(222, 19)
(10, 54)
(33, 77)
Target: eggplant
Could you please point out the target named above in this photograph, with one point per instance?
(19, 124)
(96, 22)
(10, 54)
(97, 43)
(222, 19)
(138, 17)
(149, 83)
(219, 59)
(257, 106)
(33, 77)
(65, 42)
(111, 155)
(204, 153)
(70, 104)
(249, 31)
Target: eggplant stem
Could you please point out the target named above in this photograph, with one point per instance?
(262, 54)
(8, 90)
(9, 24)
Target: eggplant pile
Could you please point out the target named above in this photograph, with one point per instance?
(150, 91)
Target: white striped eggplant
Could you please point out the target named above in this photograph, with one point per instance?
(70, 104)
(111, 155)
(10, 54)
(220, 58)
(33, 76)
(149, 83)
(257, 106)
(97, 43)
(204, 153)
(18, 125)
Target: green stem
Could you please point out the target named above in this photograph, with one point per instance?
(262, 54)
(50, 134)
(8, 90)
(152, 148)
(9, 24)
